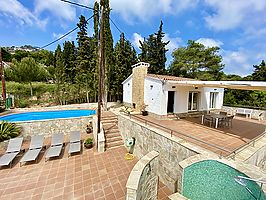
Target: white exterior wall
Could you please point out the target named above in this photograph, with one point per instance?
(127, 91)
(181, 97)
(220, 97)
(155, 97)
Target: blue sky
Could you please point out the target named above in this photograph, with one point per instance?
(238, 27)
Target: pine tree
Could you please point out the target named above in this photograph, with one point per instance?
(153, 51)
(197, 61)
(259, 73)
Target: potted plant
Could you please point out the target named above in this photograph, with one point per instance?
(89, 128)
(144, 112)
(88, 143)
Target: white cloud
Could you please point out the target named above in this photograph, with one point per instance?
(241, 61)
(58, 8)
(236, 62)
(14, 9)
(230, 14)
(145, 9)
(209, 42)
(173, 44)
(136, 38)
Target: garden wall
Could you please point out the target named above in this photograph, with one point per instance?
(171, 150)
(142, 182)
(49, 127)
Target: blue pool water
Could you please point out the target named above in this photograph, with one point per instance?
(33, 116)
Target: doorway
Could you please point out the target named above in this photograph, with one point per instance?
(171, 101)
(193, 101)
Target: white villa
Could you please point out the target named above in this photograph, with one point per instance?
(169, 94)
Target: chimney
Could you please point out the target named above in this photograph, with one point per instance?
(139, 72)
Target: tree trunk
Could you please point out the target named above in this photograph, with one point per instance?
(31, 90)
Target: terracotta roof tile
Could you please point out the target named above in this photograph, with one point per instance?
(169, 78)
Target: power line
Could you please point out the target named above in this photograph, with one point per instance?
(116, 26)
(77, 4)
(125, 35)
(64, 35)
(59, 38)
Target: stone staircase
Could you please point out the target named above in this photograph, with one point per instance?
(112, 135)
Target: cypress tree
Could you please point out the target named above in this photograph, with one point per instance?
(60, 75)
(125, 57)
(69, 55)
(95, 60)
(108, 48)
(153, 51)
(85, 59)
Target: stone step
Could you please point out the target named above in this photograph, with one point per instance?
(111, 130)
(114, 144)
(109, 126)
(113, 139)
(109, 117)
(104, 116)
(109, 122)
(113, 134)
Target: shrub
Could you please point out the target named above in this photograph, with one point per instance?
(22, 103)
(88, 141)
(8, 130)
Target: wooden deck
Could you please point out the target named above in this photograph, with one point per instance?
(229, 139)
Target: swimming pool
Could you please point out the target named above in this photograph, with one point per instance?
(212, 180)
(47, 115)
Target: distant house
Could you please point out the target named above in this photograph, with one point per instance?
(162, 94)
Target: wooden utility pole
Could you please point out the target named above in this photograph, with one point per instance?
(101, 67)
(2, 76)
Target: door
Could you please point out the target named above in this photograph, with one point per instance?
(193, 100)
(171, 101)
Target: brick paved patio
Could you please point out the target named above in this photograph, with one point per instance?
(87, 176)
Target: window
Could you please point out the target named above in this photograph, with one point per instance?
(193, 100)
(213, 99)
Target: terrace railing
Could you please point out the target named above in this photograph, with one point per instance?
(246, 145)
(223, 152)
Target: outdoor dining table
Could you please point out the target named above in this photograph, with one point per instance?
(215, 116)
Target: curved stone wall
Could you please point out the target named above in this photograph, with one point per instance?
(142, 182)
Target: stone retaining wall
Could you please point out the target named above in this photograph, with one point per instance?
(142, 182)
(49, 127)
(172, 150)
